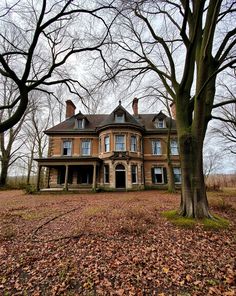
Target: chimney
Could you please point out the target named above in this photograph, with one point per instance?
(173, 110)
(70, 109)
(135, 106)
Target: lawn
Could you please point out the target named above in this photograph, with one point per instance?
(113, 244)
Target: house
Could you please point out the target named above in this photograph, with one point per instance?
(110, 151)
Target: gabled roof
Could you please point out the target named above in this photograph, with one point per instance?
(110, 119)
(97, 122)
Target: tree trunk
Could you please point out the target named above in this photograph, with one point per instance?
(4, 171)
(193, 197)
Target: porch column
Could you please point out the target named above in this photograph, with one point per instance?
(66, 178)
(48, 177)
(94, 176)
(38, 178)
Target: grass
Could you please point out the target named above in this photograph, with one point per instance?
(215, 224)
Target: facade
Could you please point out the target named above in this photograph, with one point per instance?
(116, 151)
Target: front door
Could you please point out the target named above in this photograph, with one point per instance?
(120, 176)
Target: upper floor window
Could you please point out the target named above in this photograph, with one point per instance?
(134, 173)
(107, 143)
(119, 143)
(81, 123)
(86, 147)
(174, 147)
(133, 144)
(160, 123)
(67, 148)
(119, 117)
(156, 147)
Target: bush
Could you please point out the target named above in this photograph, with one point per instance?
(30, 189)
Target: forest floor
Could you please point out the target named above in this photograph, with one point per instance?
(112, 244)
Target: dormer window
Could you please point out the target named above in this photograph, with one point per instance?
(81, 123)
(160, 123)
(119, 117)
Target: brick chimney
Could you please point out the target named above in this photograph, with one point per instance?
(135, 106)
(173, 110)
(70, 109)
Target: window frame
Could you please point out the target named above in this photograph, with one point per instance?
(179, 174)
(134, 174)
(106, 174)
(133, 145)
(162, 175)
(68, 148)
(107, 144)
(119, 118)
(90, 147)
(82, 120)
(124, 143)
(174, 149)
(154, 141)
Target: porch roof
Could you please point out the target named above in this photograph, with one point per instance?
(68, 160)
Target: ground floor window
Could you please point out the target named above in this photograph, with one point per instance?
(134, 173)
(177, 175)
(157, 175)
(106, 173)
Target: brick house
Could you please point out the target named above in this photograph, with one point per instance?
(110, 151)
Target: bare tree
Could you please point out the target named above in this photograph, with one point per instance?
(39, 39)
(184, 45)
(11, 140)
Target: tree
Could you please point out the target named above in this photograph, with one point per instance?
(11, 140)
(225, 129)
(184, 45)
(38, 40)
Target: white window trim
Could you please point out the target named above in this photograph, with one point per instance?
(157, 140)
(178, 174)
(175, 147)
(124, 142)
(109, 144)
(162, 174)
(104, 173)
(67, 141)
(90, 147)
(136, 173)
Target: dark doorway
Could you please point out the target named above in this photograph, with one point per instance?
(120, 176)
(85, 174)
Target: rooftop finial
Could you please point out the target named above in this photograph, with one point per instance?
(119, 102)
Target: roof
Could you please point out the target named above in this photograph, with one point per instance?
(97, 122)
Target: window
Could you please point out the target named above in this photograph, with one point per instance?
(156, 147)
(106, 173)
(120, 143)
(177, 175)
(174, 147)
(119, 117)
(158, 175)
(86, 147)
(134, 173)
(133, 144)
(107, 143)
(67, 148)
(160, 123)
(81, 123)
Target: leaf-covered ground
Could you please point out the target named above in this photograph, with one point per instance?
(112, 244)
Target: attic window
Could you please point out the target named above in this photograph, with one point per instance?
(119, 117)
(81, 123)
(160, 123)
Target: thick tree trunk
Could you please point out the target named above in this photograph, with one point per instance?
(193, 197)
(4, 171)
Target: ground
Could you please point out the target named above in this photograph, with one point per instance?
(112, 244)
